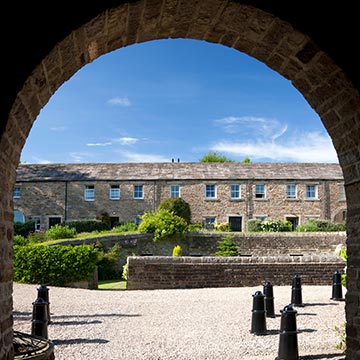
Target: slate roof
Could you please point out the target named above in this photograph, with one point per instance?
(178, 171)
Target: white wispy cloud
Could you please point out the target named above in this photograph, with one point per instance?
(119, 101)
(58, 128)
(37, 160)
(139, 157)
(306, 147)
(99, 144)
(246, 125)
(81, 156)
(126, 140)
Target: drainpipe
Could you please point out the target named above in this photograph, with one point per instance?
(65, 201)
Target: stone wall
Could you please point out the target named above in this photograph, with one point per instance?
(205, 244)
(44, 199)
(199, 272)
(315, 60)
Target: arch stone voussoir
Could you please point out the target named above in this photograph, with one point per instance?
(262, 35)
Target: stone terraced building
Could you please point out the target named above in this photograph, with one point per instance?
(216, 192)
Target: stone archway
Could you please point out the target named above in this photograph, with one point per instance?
(245, 28)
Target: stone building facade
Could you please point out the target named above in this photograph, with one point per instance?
(216, 192)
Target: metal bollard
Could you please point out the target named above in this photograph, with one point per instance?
(296, 292)
(269, 299)
(258, 320)
(39, 326)
(288, 343)
(43, 292)
(337, 287)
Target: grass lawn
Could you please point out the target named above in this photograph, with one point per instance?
(112, 285)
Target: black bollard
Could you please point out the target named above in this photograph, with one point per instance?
(337, 287)
(269, 299)
(39, 326)
(43, 292)
(258, 320)
(288, 343)
(296, 292)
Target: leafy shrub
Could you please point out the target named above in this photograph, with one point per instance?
(277, 225)
(24, 229)
(177, 251)
(222, 227)
(36, 237)
(227, 247)
(54, 265)
(177, 206)
(20, 240)
(104, 217)
(254, 225)
(107, 260)
(60, 232)
(163, 224)
(195, 227)
(126, 227)
(125, 271)
(82, 226)
(315, 225)
(341, 251)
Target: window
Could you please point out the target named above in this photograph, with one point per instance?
(311, 192)
(235, 191)
(209, 223)
(291, 191)
(89, 193)
(138, 192)
(19, 216)
(261, 217)
(37, 224)
(260, 191)
(17, 192)
(210, 192)
(137, 219)
(175, 191)
(114, 193)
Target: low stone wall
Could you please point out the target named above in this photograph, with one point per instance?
(160, 272)
(206, 243)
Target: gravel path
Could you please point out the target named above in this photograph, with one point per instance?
(192, 324)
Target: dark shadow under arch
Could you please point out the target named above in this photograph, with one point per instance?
(51, 50)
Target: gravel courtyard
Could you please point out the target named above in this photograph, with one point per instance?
(192, 324)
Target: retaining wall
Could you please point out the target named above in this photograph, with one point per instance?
(166, 272)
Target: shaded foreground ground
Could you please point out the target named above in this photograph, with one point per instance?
(190, 324)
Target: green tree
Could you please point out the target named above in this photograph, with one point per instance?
(214, 156)
(227, 247)
(163, 224)
(177, 206)
(246, 160)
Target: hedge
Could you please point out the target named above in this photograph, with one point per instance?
(54, 265)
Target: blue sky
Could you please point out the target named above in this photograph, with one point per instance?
(180, 99)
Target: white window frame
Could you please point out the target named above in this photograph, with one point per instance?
(37, 223)
(235, 191)
(210, 193)
(136, 192)
(262, 193)
(89, 193)
(114, 192)
(174, 191)
(291, 191)
(17, 192)
(342, 194)
(315, 197)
